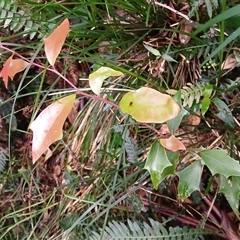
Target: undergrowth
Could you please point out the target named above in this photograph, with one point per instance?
(94, 182)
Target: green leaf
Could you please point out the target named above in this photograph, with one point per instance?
(152, 50)
(206, 99)
(205, 105)
(207, 91)
(157, 161)
(168, 58)
(219, 162)
(224, 112)
(209, 8)
(96, 78)
(220, 17)
(236, 55)
(222, 46)
(149, 106)
(189, 180)
(231, 190)
(170, 170)
(173, 124)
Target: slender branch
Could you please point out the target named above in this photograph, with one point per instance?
(78, 91)
(171, 9)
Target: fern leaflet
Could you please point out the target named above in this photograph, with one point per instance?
(134, 230)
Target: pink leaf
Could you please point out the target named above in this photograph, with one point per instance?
(53, 44)
(172, 144)
(11, 67)
(47, 127)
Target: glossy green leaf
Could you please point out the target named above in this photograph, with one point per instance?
(218, 161)
(149, 106)
(208, 91)
(170, 170)
(231, 191)
(96, 78)
(225, 113)
(157, 162)
(189, 180)
(205, 105)
(206, 98)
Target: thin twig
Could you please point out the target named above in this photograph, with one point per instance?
(171, 9)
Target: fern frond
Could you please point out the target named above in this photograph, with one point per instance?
(210, 4)
(132, 149)
(192, 93)
(15, 19)
(230, 86)
(130, 144)
(3, 159)
(195, 5)
(144, 231)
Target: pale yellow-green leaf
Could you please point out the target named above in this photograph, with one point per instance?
(149, 106)
(96, 78)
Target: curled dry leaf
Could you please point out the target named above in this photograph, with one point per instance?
(230, 62)
(75, 109)
(185, 27)
(47, 127)
(53, 44)
(11, 67)
(172, 144)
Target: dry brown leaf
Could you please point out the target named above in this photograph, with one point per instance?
(230, 62)
(73, 114)
(185, 27)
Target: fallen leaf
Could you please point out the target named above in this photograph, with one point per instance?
(230, 62)
(193, 121)
(11, 67)
(74, 111)
(185, 27)
(47, 127)
(96, 78)
(172, 144)
(149, 106)
(53, 44)
(164, 131)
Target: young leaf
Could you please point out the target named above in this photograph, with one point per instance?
(11, 67)
(219, 162)
(231, 191)
(157, 161)
(152, 50)
(53, 44)
(189, 180)
(47, 127)
(96, 78)
(172, 144)
(205, 105)
(149, 106)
